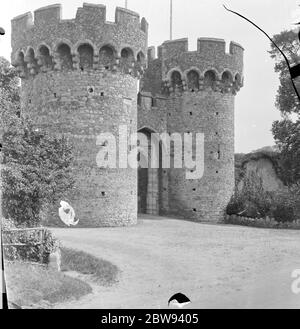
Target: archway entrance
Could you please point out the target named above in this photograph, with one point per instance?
(149, 187)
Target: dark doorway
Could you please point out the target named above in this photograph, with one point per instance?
(148, 180)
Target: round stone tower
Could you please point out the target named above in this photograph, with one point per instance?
(79, 79)
(199, 89)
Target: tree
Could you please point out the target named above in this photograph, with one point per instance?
(286, 132)
(288, 42)
(9, 94)
(35, 166)
(287, 136)
(36, 172)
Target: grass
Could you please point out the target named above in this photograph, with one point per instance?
(32, 284)
(102, 271)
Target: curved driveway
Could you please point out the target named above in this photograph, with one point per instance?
(216, 266)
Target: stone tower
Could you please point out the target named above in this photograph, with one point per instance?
(189, 92)
(80, 78)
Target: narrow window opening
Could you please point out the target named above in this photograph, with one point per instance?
(65, 57)
(193, 80)
(106, 56)
(210, 79)
(45, 58)
(176, 81)
(86, 54)
(139, 99)
(153, 102)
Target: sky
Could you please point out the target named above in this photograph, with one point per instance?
(255, 104)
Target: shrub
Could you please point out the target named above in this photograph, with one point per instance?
(283, 213)
(50, 245)
(285, 205)
(32, 251)
(252, 201)
(294, 197)
(258, 200)
(236, 205)
(36, 172)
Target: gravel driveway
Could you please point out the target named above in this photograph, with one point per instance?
(216, 266)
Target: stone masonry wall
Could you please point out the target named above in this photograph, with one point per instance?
(80, 78)
(60, 102)
(212, 114)
(199, 88)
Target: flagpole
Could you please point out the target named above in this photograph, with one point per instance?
(126, 4)
(171, 19)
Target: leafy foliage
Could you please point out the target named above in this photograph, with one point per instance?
(288, 42)
(287, 136)
(9, 94)
(36, 171)
(236, 204)
(33, 250)
(286, 204)
(283, 213)
(253, 202)
(287, 131)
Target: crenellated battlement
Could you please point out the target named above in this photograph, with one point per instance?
(210, 66)
(52, 14)
(205, 46)
(45, 41)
